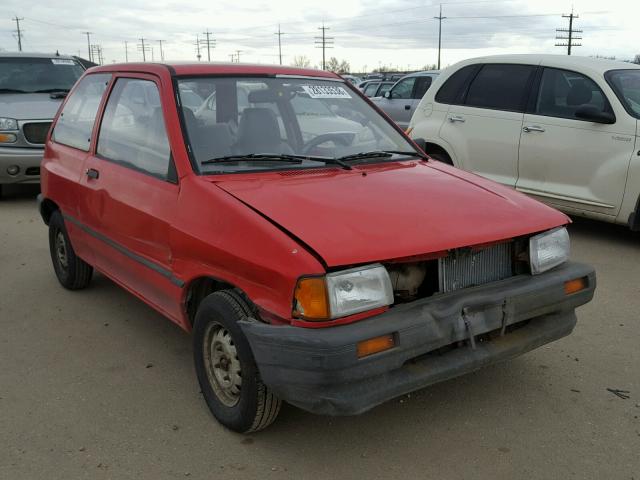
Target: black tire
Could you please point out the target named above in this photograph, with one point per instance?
(441, 157)
(73, 273)
(220, 348)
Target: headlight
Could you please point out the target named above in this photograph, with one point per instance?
(548, 250)
(343, 293)
(8, 123)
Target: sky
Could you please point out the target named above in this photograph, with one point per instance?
(368, 34)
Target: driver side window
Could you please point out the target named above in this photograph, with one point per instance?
(403, 88)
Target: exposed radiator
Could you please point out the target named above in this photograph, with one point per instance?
(465, 268)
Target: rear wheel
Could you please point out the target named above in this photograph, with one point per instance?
(226, 370)
(72, 272)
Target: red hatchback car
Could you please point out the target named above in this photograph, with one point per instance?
(318, 256)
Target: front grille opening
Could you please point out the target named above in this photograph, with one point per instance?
(479, 339)
(32, 171)
(36, 132)
(462, 268)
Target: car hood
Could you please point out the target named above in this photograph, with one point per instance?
(28, 106)
(389, 211)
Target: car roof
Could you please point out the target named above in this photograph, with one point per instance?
(425, 73)
(216, 68)
(34, 55)
(594, 65)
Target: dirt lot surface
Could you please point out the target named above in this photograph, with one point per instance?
(94, 384)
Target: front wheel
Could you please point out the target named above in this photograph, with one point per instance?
(72, 272)
(226, 370)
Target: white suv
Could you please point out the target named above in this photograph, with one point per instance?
(562, 129)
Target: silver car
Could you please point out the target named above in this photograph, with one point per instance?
(401, 101)
(32, 86)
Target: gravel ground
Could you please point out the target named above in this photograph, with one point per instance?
(94, 384)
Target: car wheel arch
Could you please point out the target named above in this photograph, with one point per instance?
(198, 288)
(440, 153)
(47, 207)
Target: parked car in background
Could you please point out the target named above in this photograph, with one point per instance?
(32, 87)
(377, 89)
(330, 269)
(352, 79)
(561, 129)
(401, 100)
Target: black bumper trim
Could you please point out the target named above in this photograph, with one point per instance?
(318, 369)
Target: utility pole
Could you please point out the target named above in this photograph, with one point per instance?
(568, 34)
(88, 34)
(238, 52)
(144, 48)
(126, 51)
(324, 42)
(210, 43)
(198, 56)
(279, 33)
(18, 32)
(439, 18)
(161, 51)
(96, 54)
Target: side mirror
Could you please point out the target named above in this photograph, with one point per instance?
(420, 142)
(593, 114)
(387, 94)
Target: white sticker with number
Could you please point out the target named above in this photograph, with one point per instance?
(62, 61)
(326, 91)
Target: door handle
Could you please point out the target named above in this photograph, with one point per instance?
(92, 173)
(456, 118)
(407, 107)
(532, 128)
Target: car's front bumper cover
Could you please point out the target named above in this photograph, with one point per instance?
(318, 369)
(28, 161)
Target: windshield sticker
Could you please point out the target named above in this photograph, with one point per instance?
(62, 61)
(325, 91)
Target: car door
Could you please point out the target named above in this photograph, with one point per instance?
(398, 103)
(483, 127)
(572, 162)
(131, 193)
(66, 154)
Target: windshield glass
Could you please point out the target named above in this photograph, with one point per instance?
(28, 74)
(626, 85)
(309, 118)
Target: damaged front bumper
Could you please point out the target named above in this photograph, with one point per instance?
(436, 338)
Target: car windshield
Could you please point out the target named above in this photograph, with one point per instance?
(626, 85)
(259, 123)
(30, 74)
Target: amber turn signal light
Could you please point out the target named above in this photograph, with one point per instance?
(575, 285)
(311, 302)
(375, 345)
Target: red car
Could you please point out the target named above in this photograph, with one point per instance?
(317, 255)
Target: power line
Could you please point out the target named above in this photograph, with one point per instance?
(324, 42)
(439, 18)
(18, 31)
(568, 34)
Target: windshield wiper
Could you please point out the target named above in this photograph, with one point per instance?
(380, 154)
(11, 90)
(51, 90)
(272, 157)
(410, 154)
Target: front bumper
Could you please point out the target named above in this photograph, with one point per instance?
(318, 369)
(27, 159)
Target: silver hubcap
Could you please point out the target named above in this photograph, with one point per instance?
(61, 250)
(222, 364)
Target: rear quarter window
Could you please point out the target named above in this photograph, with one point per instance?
(75, 123)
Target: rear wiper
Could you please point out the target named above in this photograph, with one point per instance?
(11, 90)
(271, 157)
